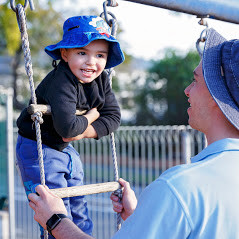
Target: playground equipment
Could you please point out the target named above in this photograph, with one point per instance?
(224, 10)
(219, 10)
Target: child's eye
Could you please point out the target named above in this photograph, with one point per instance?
(82, 53)
(100, 55)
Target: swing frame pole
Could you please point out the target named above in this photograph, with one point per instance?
(223, 10)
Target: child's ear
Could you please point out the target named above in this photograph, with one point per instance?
(64, 54)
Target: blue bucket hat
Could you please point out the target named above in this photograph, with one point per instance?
(79, 31)
(220, 64)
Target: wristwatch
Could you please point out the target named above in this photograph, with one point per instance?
(54, 221)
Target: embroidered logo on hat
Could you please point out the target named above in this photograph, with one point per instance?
(100, 26)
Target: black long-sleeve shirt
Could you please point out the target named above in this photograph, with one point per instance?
(64, 93)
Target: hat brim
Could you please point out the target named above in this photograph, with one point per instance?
(211, 64)
(115, 55)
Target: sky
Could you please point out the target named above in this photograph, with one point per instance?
(149, 30)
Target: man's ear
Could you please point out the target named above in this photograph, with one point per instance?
(64, 54)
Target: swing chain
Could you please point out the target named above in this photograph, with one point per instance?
(21, 18)
(112, 3)
(12, 4)
(203, 34)
(114, 25)
(111, 22)
(110, 72)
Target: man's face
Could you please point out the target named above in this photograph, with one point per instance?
(201, 101)
(88, 62)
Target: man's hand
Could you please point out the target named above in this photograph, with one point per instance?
(45, 205)
(129, 201)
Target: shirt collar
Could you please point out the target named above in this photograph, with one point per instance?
(219, 146)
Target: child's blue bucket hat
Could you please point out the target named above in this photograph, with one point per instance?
(79, 31)
(220, 64)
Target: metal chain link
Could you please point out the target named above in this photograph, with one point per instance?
(37, 117)
(110, 72)
(12, 4)
(203, 35)
(112, 3)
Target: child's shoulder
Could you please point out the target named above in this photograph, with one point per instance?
(104, 77)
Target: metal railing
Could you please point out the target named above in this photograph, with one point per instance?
(143, 154)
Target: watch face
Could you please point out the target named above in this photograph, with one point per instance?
(53, 222)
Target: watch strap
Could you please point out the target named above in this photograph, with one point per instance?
(54, 221)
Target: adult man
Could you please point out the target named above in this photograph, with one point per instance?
(195, 200)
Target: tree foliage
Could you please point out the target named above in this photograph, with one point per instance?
(44, 26)
(161, 99)
(9, 37)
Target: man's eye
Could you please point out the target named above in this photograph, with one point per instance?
(193, 80)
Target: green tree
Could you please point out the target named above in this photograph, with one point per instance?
(44, 27)
(161, 99)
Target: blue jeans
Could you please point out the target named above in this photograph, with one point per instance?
(62, 169)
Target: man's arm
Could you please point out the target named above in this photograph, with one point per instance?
(67, 229)
(47, 204)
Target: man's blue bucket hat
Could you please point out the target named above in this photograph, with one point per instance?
(79, 31)
(220, 64)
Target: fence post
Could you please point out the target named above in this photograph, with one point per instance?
(4, 225)
(10, 150)
(186, 147)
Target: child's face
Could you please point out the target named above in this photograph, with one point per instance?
(88, 62)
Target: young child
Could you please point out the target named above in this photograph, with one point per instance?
(77, 82)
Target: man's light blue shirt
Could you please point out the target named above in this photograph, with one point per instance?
(197, 200)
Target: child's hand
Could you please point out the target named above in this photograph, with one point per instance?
(92, 115)
(88, 133)
(78, 137)
(129, 201)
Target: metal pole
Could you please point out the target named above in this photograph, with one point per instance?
(11, 198)
(186, 147)
(224, 10)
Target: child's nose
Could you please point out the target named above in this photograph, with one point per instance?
(90, 60)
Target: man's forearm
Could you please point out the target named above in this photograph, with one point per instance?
(67, 229)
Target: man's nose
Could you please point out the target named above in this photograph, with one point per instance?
(186, 91)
